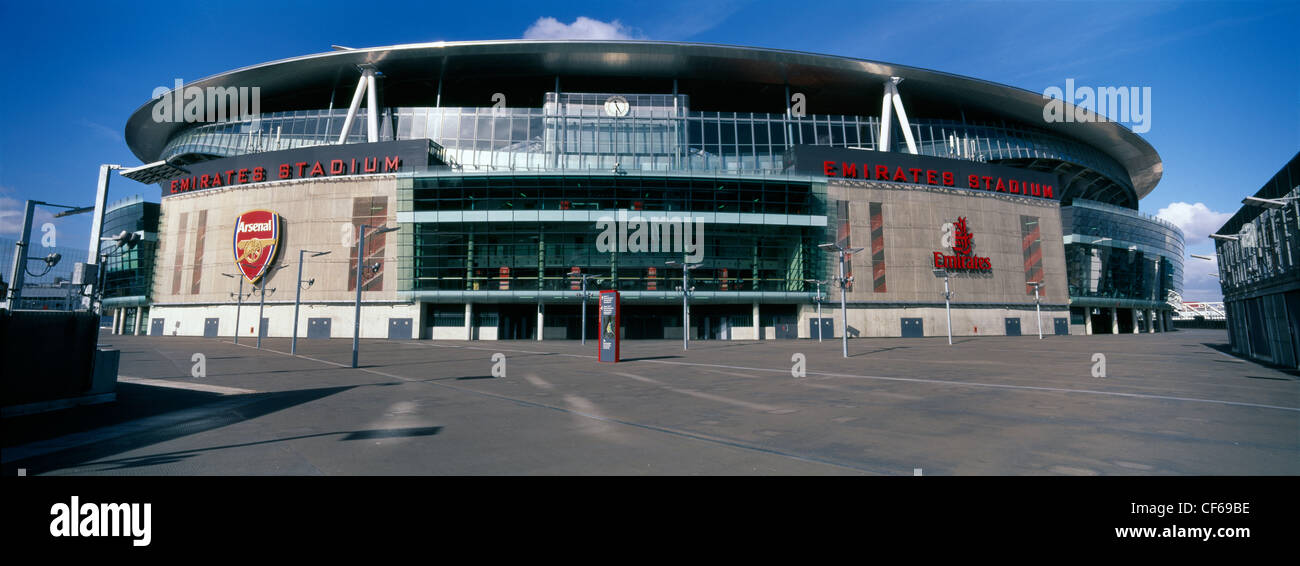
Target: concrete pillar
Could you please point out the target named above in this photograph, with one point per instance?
(1151, 321)
(541, 309)
(758, 328)
(1134, 317)
(1114, 321)
(1087, 321)
(469, 321)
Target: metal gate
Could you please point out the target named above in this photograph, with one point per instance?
(210, 327)
(156, 327)
(399, 329)
(913, 328)
(1062, 326)
(318, 327)
(1013, 327)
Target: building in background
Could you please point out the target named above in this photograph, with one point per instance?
(1122, 266)
(43, 289)
(510, 168)
(128, 269)
(1258, 253)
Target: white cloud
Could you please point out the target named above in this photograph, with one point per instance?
(1196, 221)
(581, 28)
(11, 214)
(11, 219)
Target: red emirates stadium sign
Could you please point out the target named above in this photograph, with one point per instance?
(257, 238)
(963, 247)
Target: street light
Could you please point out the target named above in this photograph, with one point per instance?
(686, 293)
(261, 305)
(947, 300)
(1204, 257)
(1037, 310)
(584, 295)
(1224, 238)
(297, 298)
(356, 319)
(16, 275)
(239, 304)
(1267, 202)
(844, 288)
(818, 298)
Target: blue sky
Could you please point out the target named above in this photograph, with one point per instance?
(1224, 77)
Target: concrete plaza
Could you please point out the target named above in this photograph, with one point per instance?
(1169, 404)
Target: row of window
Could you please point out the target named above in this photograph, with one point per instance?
(530, 256)
(613, 193)
(699, 140)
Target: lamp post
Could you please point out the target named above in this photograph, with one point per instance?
(1037, 308)
(297, 299)
(686, 293)
(262, 304)
(947, 300)
(356, 319)
(818, 298)
(239, 302)
(20, 248)
(584, 295)
(844, 289)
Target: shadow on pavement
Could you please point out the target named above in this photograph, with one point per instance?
(1225, 349)
(133, 402)
(878, 351)
(182, 455)
(235, 409)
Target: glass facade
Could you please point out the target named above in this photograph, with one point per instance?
(1119, 257)
(657, 132)
(1267, 249)
(508, 254)
(128, 272)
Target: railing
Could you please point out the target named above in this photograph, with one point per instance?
(1203, 310)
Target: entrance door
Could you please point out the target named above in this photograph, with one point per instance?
(787, 327)
(399, 329)
(156, 327)
(516, 322)
(824, 326)
(1062, 326)
(1013, 326)
(913, 328)
(210, 327)
(318, 327)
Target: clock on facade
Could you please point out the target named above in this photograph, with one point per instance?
(616, 106)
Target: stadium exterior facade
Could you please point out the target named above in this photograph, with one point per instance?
(510, 167)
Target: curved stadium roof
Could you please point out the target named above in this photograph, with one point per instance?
(717, 77)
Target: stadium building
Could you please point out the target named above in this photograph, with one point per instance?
(511, 169)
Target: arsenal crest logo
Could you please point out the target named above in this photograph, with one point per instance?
(257, 238)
